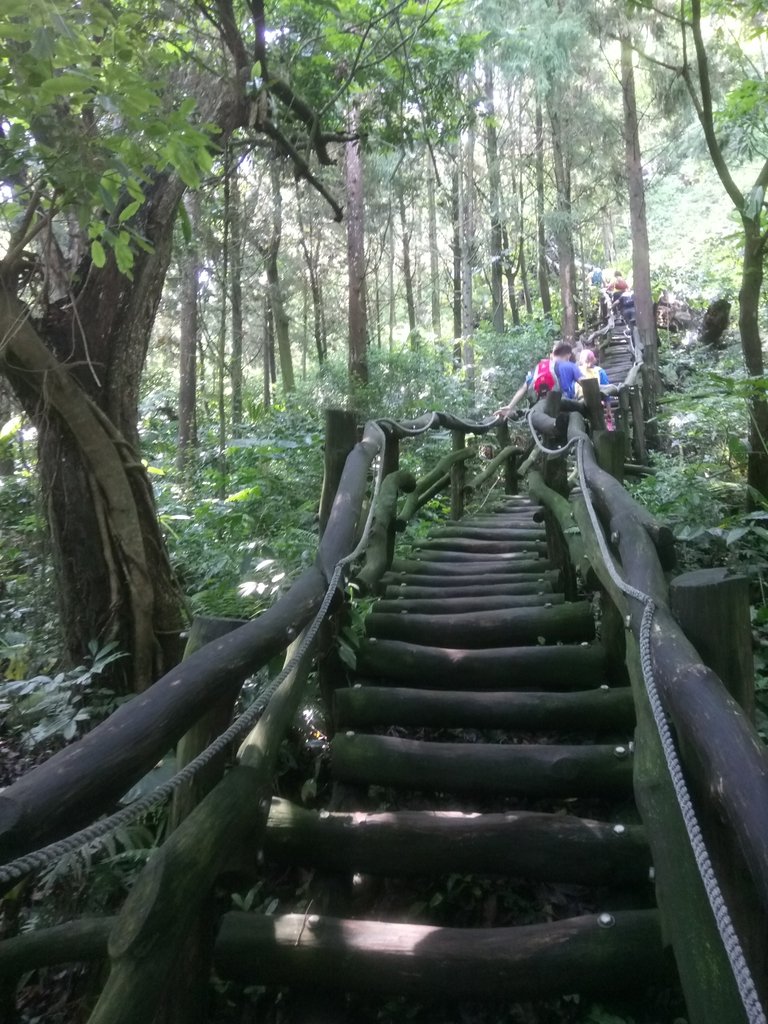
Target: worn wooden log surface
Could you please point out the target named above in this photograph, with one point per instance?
(536, 846)
(534, 961)
(596, 710)
(525, 551)
(712, 607)
(473, 545)
(687, 921)
(452, 605)
(539, 587)
(446, 581)
(488, 533)
(559, 624)
(501, 565)
(506, 458)
(378, 555)
(554, 667)
(531, 770)
(562, 511)
(613, 501)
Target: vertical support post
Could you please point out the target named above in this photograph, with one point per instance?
(207, 728)
(610, 446)
(623, 418)
(458, 476)
(340, 439)
(510, 465)
(712, 608)
(590, 388)
(638, 425)
(391, 459)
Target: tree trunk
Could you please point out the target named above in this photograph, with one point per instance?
(456, 252)
(309, 239)
(188, 335)
(407, 273)
(564, 233)
(236, 302)
(467, 228)
(641, 266)
(543, 274)
(279, 316)
(434, 265)
(494, 198)
(81, 390)
(358, 311)
(749, 329)
(510, 273)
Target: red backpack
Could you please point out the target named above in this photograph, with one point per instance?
(543, 377)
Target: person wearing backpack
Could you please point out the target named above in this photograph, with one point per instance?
(546, 376)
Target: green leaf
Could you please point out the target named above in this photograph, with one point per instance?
(98, 255)
(185, 224)
(129, 211)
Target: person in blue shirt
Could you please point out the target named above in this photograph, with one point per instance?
(567, 371)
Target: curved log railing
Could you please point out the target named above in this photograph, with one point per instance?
(169, 922)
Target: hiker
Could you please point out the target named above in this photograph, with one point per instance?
(590, 370)
(616, 287)
(557, 372)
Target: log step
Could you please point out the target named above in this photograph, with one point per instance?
(560, 624)
(526, 551)
(503, 668)
(492, 533)
(599, 710)
(522, 844)
(489, 579)
(520, 769)
(500, 565)
(445, 605)
(473, 545)
(580, 954)
(537, 587)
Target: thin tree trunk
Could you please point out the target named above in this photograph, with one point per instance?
(641, 264)
(434, 263)
(236, 304)
(405, 238)
(358, 306)
(309, 240)
(221, 347)
(266, 347)
(543, 273)
(467, 224)
(510, 274)
(188, 334)
(494, 198)
(279, 316)
(456, 251)
(563, 231)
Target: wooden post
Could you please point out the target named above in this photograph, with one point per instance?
(590, 388)
(712, 608)
(510, 466)
(623, 419)
(610, 446)
(638, 425)
(208, 727)
(391, 457)
(340, 439)
(458, 473)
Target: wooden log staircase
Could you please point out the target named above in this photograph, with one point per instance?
(506, 833)
(486, 734)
